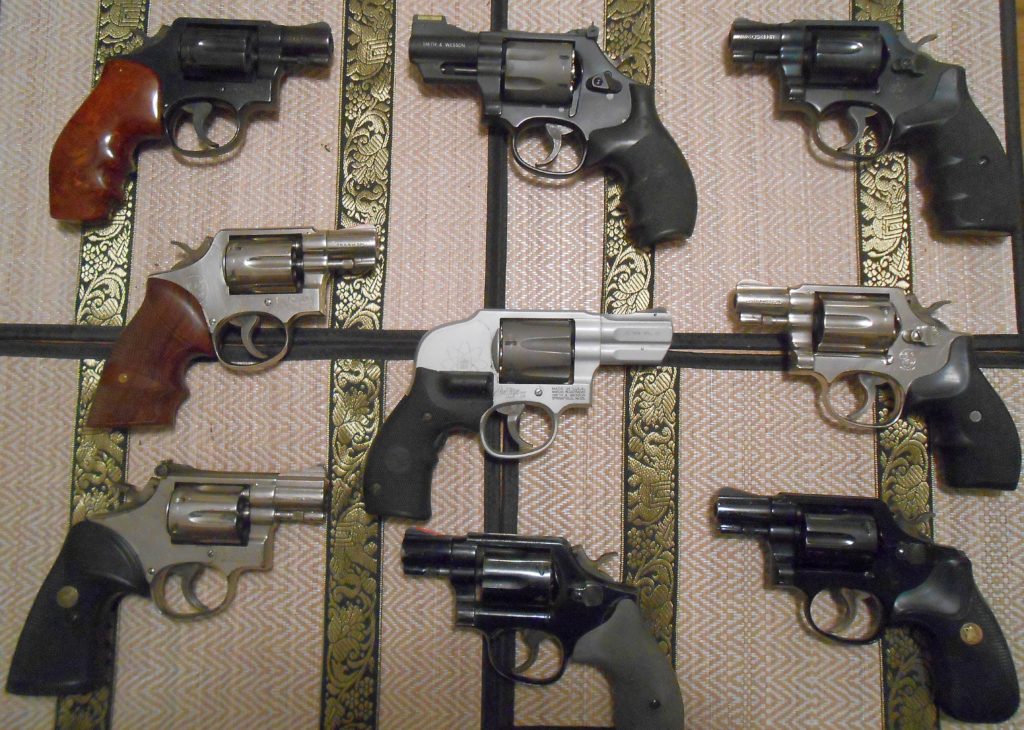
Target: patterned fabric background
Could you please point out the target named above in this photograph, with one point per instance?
(335, 635)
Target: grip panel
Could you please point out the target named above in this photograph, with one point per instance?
(143, 380)
(973, 672)
(973, 186)
(65, 646)
(657, 185)
(971, 430)
(94, 153)
(645, 691)
(401, 462)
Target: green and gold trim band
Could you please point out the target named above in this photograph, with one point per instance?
(651, 443)
(99, 456)
(352, 594)
(902, 469)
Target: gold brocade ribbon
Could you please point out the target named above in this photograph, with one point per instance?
(99, 456)
(650, 503)
(901, 450)
(352, 592)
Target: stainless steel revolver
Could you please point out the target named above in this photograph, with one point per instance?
(877, 337)
(498, 362)
(183, 523)
(244, 278)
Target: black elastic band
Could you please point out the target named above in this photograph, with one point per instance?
(1011, 116)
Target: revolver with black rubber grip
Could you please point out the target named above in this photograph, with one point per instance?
(852, 550)
(876, 77)
(882, 338)
(197, 71)
(184, 523)
(498, 362)
(563, 86)
(545, 590)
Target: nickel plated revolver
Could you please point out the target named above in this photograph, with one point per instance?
(563, 85)
(879, 336)
(875, 76)
(853, 549)
(498, 362)
(544, 589)
(240, 278)
(184, 523)
(195, 70)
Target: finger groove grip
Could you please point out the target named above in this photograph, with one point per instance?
(401, 462)
(143, 380)
(969, 426)
(95, 151)
(657, 185)
(973, 672)
(65, 646)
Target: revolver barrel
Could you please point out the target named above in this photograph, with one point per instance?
(445, 54)
(306, 45)
(753, 42)
(742, 513)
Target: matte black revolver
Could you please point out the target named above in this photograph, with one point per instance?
(548, 590)
(874, 75)
(563, 84)
(850, 547)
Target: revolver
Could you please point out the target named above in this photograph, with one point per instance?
(196, 70)
(852, 550)
(185, 522)
(498, 362)
(879, 336)
(240, 279)
(543, 589)
(564, 86)
(870, 74)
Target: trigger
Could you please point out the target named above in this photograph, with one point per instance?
(532, 638)
(249, 324)
(189, 574)
(857, 116)
(200, 112)
(847, 610)
(513, 417)
(555, 135)
(869, 383)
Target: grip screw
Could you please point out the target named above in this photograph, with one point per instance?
(67, 597)
(971, 634)
(654, 704)
(122, 378)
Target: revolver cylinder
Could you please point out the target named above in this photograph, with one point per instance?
(538, 72)
(534, 350)
(854, 324)
(277, 263)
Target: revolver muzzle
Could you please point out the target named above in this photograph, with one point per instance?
(742, 513)
(753, 42)
(307, 45)
(345, 251)
(759, 304)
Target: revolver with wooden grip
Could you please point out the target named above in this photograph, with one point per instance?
(874, 76)
(563, 86)
(498, 363)
(196, 70)
(252, 280)
(875, 337)
(184, 523)
(545, 590)
(845, 552)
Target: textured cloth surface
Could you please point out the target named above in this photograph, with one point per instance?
(771, 208)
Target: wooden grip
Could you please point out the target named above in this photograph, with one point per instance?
(143, 380)
(95, 151)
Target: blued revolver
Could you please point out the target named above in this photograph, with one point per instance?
(876, 76)
(183, 523)
(498, 362)
(852, 549)
(566, 87)
(195, 70)
(877, 336)
(241, 279)
(546, 590)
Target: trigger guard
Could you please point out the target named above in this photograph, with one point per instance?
(259, 365)
(517, 455)
(878, 627)
(897, 410)
(840, 154)
(521, 161)
(209, 148)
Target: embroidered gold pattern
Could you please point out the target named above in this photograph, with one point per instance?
(99, 456)
(349, 695)
(902, 449)
(650, 504)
